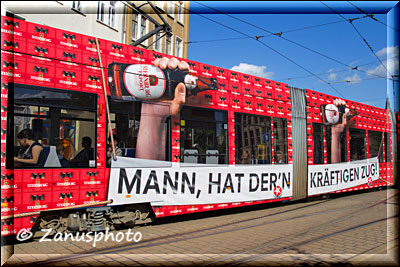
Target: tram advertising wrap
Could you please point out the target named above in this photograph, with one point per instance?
(164, 136)
(187, 184)
(147, 178)
(334, 177)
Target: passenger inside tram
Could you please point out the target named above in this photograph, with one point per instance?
(31, 151)
(245, 159)
(279, 158)
(118, 151)
(85, 155)
(60, 153)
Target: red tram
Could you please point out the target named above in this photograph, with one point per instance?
(227, 146)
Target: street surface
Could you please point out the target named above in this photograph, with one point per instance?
(353, 229)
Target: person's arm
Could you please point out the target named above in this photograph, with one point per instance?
(118, 152)
(151, 136)
(335, 148)
(337, 129)
(80, 157)
(36, 150)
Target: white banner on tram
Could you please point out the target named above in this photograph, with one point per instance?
(165, 183)
(332, 177)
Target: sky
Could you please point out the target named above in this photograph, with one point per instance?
(336, 44)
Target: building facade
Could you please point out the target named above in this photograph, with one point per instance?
(104, 19)
(112, 20)
(175, 13)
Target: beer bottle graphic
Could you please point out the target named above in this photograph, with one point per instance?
(332, 114)
(148, 82)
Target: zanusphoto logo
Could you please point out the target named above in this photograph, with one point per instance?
(88, 237)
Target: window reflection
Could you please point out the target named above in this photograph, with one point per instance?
(375, 139)
(252, 139)
(387, 147)
(204, 135)
(59, 120)
(357, 144)
(318, 143)
(280, 140)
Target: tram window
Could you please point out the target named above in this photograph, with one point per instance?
(48, 97)
(204, 136)
(387, 147)
(342, 141)
(375, 139)
(318, 143)
(280, 139)
(125, 121)
(56, 120)
(125, 124)
(252, 139)
(357, 144)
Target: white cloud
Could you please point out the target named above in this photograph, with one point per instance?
(255, 70)
(379, 70)
(391, 64)
(388, 51)
(353, 79)
(332, 76)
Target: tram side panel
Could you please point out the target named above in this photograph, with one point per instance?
(368, 127)
(51, 60)
(244, 99)
(55, 59)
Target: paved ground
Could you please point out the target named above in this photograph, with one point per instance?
(357, 229)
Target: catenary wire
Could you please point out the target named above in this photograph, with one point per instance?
(355, 81)
(337, 71)
(364, 40)
(293, 42)
(293, 30)
(372, 16)
(257, 37)
(264, 44)
(218, 40)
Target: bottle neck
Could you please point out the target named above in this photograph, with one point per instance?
(190, 82)
(204, 83)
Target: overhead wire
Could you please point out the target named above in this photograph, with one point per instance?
(217, 40)
(264, 44)
(372, 16)
(318, 25)
(337, 71)
(280, 35)
(293, 30)
(291, 41)
(257, 37)
(365, 41)
(311, 74)
(355, 80)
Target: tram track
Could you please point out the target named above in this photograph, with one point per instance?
(303, 233)
(205, 232)
(298, 244)
(221, 225)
